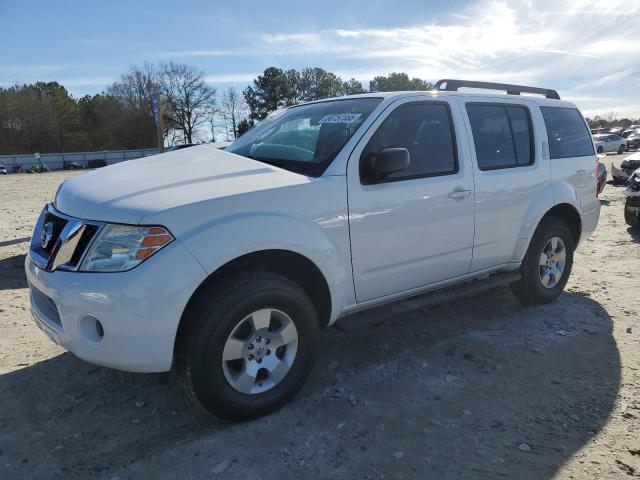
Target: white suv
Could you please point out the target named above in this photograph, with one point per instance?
(224, 265)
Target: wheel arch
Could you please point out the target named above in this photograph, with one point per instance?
(292, 265)
(566, 212)
(570, 215)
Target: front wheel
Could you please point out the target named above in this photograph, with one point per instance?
(248, 345)
(621, 149)
(600, 149)
(547, 264)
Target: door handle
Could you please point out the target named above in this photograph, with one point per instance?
(460, 194)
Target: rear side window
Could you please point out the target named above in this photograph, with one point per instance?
(426, 130)
(568, 134)
(502, 135)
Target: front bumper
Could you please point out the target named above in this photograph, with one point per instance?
(138, 310)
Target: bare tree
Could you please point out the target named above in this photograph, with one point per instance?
(188, 100)
(138, 85)
(610, 117)
(134, 91)
(233, 109)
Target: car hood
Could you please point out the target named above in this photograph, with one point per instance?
(127, 192)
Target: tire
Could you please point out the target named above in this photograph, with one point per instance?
(600, 149)
(630, 217)
(530, 288)
(211, 321)
(621, 149)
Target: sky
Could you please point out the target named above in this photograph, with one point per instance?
(586, 49)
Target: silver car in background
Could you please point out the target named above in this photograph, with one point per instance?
(609, 142)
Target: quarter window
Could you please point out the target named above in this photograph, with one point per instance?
(502, 135)
(426, 131)
(567, 132)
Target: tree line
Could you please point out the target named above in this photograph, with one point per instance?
(44, 117)
(610, 120)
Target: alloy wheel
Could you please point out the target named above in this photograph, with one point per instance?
(552, 262)
(260, 351)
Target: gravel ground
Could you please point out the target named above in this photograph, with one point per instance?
(484, 388)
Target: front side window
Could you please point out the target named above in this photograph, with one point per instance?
(307, 138)
(567, 132)
(426, 131)
(502, 135)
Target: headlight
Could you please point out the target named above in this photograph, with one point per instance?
(121, 247)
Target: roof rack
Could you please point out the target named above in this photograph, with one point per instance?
(453, 86)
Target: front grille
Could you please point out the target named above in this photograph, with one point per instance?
(59, 241)
(83, 243)
(58, 224)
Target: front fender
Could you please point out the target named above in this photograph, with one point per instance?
(227, 238)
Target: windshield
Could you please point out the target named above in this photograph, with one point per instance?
(307, 138)
(600, 137)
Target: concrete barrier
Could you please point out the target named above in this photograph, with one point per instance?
(55, 161)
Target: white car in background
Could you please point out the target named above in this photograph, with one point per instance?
(609, 143)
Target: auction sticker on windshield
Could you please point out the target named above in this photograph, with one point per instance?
(340, 118)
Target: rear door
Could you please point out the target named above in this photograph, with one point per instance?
(509, 173)
(414, 228)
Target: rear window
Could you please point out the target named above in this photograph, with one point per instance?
(568, 134)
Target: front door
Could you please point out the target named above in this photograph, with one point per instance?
(415, 227)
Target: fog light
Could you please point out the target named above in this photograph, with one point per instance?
(91, 328)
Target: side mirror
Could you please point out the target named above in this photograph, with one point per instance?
(386, 162)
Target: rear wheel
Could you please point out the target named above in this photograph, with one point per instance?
(621, 149)
(547, 264)
(248, 345)
(600, 149)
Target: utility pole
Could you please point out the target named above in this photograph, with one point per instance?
(157, 120)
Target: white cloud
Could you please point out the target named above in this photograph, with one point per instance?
(578, 47)
(583, 48)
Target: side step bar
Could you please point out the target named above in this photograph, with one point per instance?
(382, 313)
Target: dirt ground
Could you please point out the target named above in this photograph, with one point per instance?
(484, 388)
